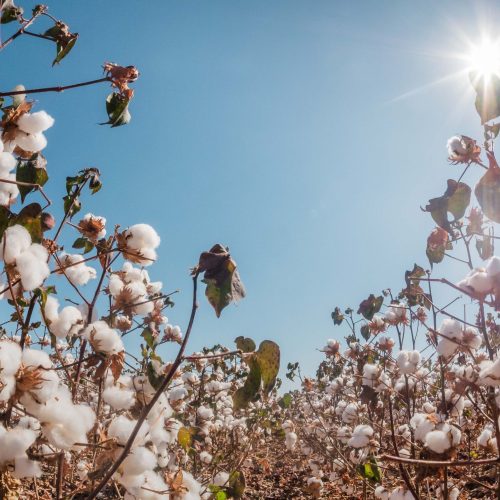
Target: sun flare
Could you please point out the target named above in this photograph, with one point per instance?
(484, 58)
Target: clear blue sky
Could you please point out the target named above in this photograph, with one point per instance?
(271, 127)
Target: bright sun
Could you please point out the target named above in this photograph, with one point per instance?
(485, 58)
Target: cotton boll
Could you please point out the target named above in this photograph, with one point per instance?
(51, 310)
(140, 460)
(77, 272)
(67, 323)
(10, 357)
(478, 280)
(471, 338)
(205, 413)
(16, 240)
(103, 338)
(8, 387)
(15, 442)
(7, 163)
(422, 425)
(290, 440)
(35, 358)
(32, 266)
(361, 436)
(121, 427)
(31, 142)
(205, 457)
(33, 123)
(455, 146)
(142, 236)
(24, 467)
(490, 373)
(407, 361)
(119, 399)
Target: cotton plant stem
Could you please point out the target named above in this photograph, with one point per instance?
(60, 88)
(150, 405)
(21, 30)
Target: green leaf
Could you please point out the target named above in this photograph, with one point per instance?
(10, 14)
(84, 243)
(285, 401)
(221, 277)
(370, 470)
(365, 331)
(71, 207)
(245, 344)
(147, 335)
(455, 200)
(27, 171)
(220, 495)
(337, 316)
(370, 306)
(5, 215)
(237, 484)
(186, 435)
(487, 95)
(250, 389)
(63, 48)
(488, 190)
(30, 217)
(268, 357)
(117, 109)
(437, 244)
(154, 379)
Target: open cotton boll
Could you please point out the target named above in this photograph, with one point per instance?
(15, 241)
(119, 399)
(350, 413)
(77, 272)
(478, 280)
(422, 425)
(290, 440)
(35, 358)
(443, 438)
(407, 361)
(121, 427)
(140, 460)
(33, 123)
(493, 266)
(490, 373)
(51, 310)
(205, 457)
(8, 192)
(7, 163)
(32, 266)
(8, 387)
(15, 442)
(31, 142)
(361, 436)
(142, 236)
(455, 146)
(103, 338)
(24, 467)
(10, 357)
(400, 493)
(64, 423)
(67, 323)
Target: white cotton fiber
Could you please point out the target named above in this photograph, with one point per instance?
(68, 322)
(15, 240)
(119, 399)
(121, 427)
(10, 357)
(32, 266)
(7, 163)
(33, 123)
(78, 274)
(140, 460)
(103, 338)
(15, 442)
(24, 467)
(31, 142)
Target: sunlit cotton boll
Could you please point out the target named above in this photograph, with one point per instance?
(32, 266)
(141, 240)
(15, 241)
(478, 281)
(408, 361)
(140, 460)
(76, 270)
(361, 436)
(31, 142)
(103, 338)
(290, 440)
(455, 146)
(34, 123)
(121, 427)
(117, 398)
(443, 438)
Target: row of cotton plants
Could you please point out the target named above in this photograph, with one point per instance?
(406, 405)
